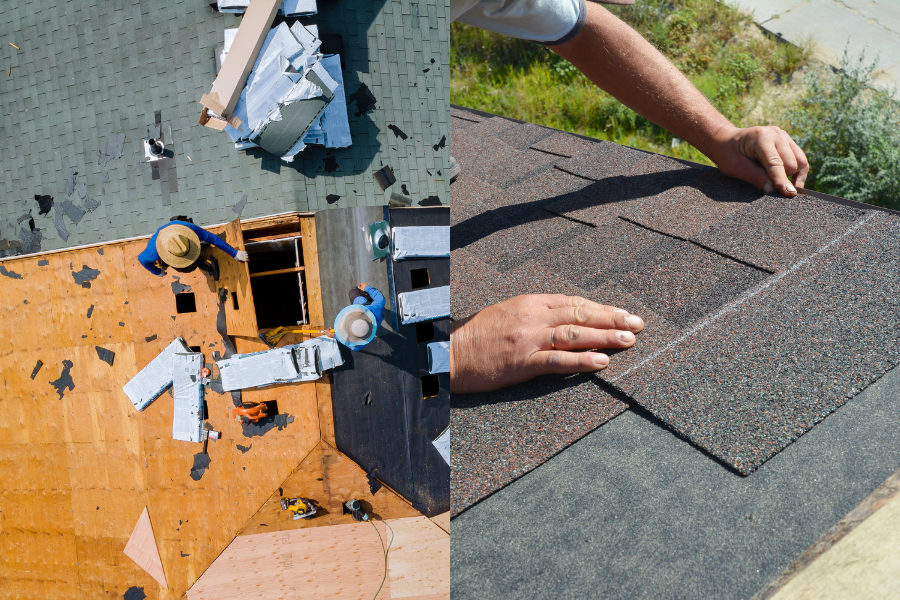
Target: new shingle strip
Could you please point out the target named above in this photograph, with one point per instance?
(563, 144)
(753, 377)
(521, 136)
(500, 436)
(769, 234)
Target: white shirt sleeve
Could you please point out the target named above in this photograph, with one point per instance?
(549, 22)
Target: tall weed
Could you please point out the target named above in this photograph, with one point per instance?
(850, 133)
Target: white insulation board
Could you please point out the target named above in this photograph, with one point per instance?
(421, 242)
(152, 380)
(424, 305)
(187, 418)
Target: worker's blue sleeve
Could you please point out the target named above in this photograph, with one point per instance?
(149, 256)
(377, 306)
(208, 238)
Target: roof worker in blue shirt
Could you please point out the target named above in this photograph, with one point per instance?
(355, 326)
(184, 247)
(532, 335)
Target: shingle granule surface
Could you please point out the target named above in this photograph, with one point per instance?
(522, 136)
(762, 314)
(563, 144)
(769, 233)
(756, 378)
(499, 436)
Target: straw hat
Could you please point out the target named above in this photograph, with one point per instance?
(355, 325)
(178, 246)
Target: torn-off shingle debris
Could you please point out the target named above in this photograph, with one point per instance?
(31, 240)
(384, 177)
(85, 276)
(239, 207)
(90, 311)
(61, 225)
(107, 356)
(398, 132)
(65, 379)
(37, 368)
(112, 149)
(10, 274)
(73, 211)
(70, 183)
(178, 287)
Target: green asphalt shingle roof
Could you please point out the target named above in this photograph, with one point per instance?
(90, 68)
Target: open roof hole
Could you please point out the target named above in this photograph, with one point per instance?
(431, 386)
(185, 303)
(424, 332)
(418, 278)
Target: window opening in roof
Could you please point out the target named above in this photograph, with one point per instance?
(185, 303)
(418, 278)
(277, 281)
(424, 332)
(234, 301)
(431, 386)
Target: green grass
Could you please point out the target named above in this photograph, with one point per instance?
(706, 40)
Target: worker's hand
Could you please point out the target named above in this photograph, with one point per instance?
(362, 287)
(527, 336)
(766, 157)
(242, 256)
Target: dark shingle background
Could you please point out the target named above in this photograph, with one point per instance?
(746, 345)
(87, 69)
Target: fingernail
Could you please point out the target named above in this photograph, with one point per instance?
(768, 188)
(601, 360)
(789, 188)
(621, 310)
(626, 337)
(634, 322)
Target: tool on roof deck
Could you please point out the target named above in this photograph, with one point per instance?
(354, 508)
(300, 507)
(253, 411)
(271, 338)
(207, 429)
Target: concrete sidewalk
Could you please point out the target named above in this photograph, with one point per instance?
(870, 25)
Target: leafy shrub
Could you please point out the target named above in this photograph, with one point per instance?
(850, 133)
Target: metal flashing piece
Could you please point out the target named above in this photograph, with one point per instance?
(421, 242)
(152, 380)
(379, 235)
(424, 305)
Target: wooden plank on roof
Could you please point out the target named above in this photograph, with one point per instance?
(419, 560)
(339, 561)
(141, 548)
(311, 261)
(235, 277)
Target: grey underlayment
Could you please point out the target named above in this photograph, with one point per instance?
(90, 78)
(764, 314)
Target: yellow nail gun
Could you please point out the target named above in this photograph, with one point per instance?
(272, 337)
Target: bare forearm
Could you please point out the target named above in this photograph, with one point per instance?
(616, 58)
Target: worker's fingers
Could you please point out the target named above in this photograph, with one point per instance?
(560, 361)
(802, 164)
(767, 153)
(596, 319)
(562, 301)
(786, 151)
(573, 337)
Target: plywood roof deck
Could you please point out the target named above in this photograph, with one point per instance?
(79, 466)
